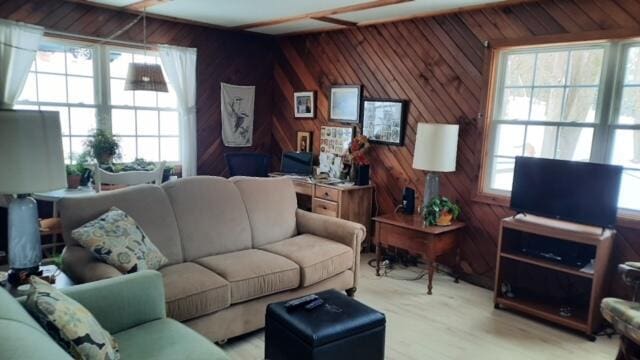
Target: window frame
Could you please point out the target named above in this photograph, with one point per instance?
(604, 125)
(102, 93)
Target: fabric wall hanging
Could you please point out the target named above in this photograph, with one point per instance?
(237, 114)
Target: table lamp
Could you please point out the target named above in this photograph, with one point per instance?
(435, 151)
(32, 160)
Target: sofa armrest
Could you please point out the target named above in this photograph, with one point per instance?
(82, 267)
(123, 302)
(346, 232)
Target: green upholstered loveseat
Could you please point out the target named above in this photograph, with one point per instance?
(131, 308)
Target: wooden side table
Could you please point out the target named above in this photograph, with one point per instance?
(409, 233)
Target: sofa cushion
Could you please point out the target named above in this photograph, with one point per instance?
(253, 273)
(69, 323)
(148, 204)
(166, 339)
(271, 205)
(318, 258)
(192, 291)
(118, 240)
(211, 216)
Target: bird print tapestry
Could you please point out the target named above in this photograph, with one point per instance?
(237, 114)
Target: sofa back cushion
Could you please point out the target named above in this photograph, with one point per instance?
(211, 216)
(148, 205)
(271, 204)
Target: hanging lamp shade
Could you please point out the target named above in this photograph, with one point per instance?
(145, 77)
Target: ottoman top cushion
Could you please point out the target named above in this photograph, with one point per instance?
(339, 317)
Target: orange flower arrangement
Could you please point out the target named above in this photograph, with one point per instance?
(358, 149)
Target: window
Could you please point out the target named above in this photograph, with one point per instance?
(62, 79)
(578, 102)
(72, 79)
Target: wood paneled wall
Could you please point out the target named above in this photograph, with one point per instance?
(437, 63)
(223, 56)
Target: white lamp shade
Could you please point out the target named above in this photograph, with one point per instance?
(436, 147)
(31, 156)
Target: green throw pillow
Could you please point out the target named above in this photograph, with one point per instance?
(69, 323)
(116, 239)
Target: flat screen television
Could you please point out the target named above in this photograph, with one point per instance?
(581, 192)
(298, 163)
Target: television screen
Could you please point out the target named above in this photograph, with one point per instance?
(580, 192)
(299, 163)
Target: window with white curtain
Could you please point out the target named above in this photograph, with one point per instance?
(576, 102)
(85, 83)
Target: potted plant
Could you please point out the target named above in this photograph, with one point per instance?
(73, 176)
(103, 147)
(359, 163)
(440, 211)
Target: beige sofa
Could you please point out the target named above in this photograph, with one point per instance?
(234, 246)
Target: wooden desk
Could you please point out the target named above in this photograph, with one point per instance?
(408, 232)
(351, 203)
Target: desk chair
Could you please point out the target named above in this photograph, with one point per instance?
(127, 178)
(625, 315)
(248, 164)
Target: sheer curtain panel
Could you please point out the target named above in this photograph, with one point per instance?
(180, 66)
(18, 46)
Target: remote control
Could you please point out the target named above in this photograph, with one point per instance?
(314, 304)
(295, 303)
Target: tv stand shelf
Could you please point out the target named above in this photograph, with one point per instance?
(516, 232)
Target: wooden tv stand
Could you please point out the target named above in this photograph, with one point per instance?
(511, 259)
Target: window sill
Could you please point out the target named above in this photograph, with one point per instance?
(626, 218)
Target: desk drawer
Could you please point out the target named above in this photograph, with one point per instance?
(304, 188)
(323, 207)
(326, 193)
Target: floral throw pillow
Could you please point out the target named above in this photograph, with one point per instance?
(116, 239)
(69, 323)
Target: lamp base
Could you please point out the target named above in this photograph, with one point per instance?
(431, 187)
(25, 249)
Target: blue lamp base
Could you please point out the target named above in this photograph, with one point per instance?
(25, 249)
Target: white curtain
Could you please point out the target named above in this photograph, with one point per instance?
(18, 46)
(180, 66)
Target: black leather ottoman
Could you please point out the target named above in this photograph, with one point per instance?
(341, 328)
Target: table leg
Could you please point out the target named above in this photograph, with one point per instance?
(432, 268)
(378, 256)
(458, 269)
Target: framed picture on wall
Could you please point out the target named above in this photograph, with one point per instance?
(344, 104)
(303, 141)
(384, 121)
(304, 104)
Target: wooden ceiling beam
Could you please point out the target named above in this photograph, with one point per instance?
(336, 21)
(321, 14)
(144, 4)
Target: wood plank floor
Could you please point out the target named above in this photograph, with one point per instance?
(457, 322)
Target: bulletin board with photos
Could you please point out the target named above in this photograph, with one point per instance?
(335, 139)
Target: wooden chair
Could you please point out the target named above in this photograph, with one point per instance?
(127, 178)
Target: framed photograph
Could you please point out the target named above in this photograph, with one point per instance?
(344, 104)
(384, 121)
(335, 140)
(304, 104)
(303, 142)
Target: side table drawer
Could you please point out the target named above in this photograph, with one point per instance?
(326, 193)
(305, 188)
(324, 207)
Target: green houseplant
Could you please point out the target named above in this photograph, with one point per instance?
(103, 147)
(440, 211)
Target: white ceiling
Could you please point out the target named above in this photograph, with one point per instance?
(233, 13)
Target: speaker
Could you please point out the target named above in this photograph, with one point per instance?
(408, 201)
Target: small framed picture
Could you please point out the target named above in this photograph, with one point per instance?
(304, 104)
(384, 121)
(303, 142)
(345, 103)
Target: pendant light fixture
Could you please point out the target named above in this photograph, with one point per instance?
(144, 76)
